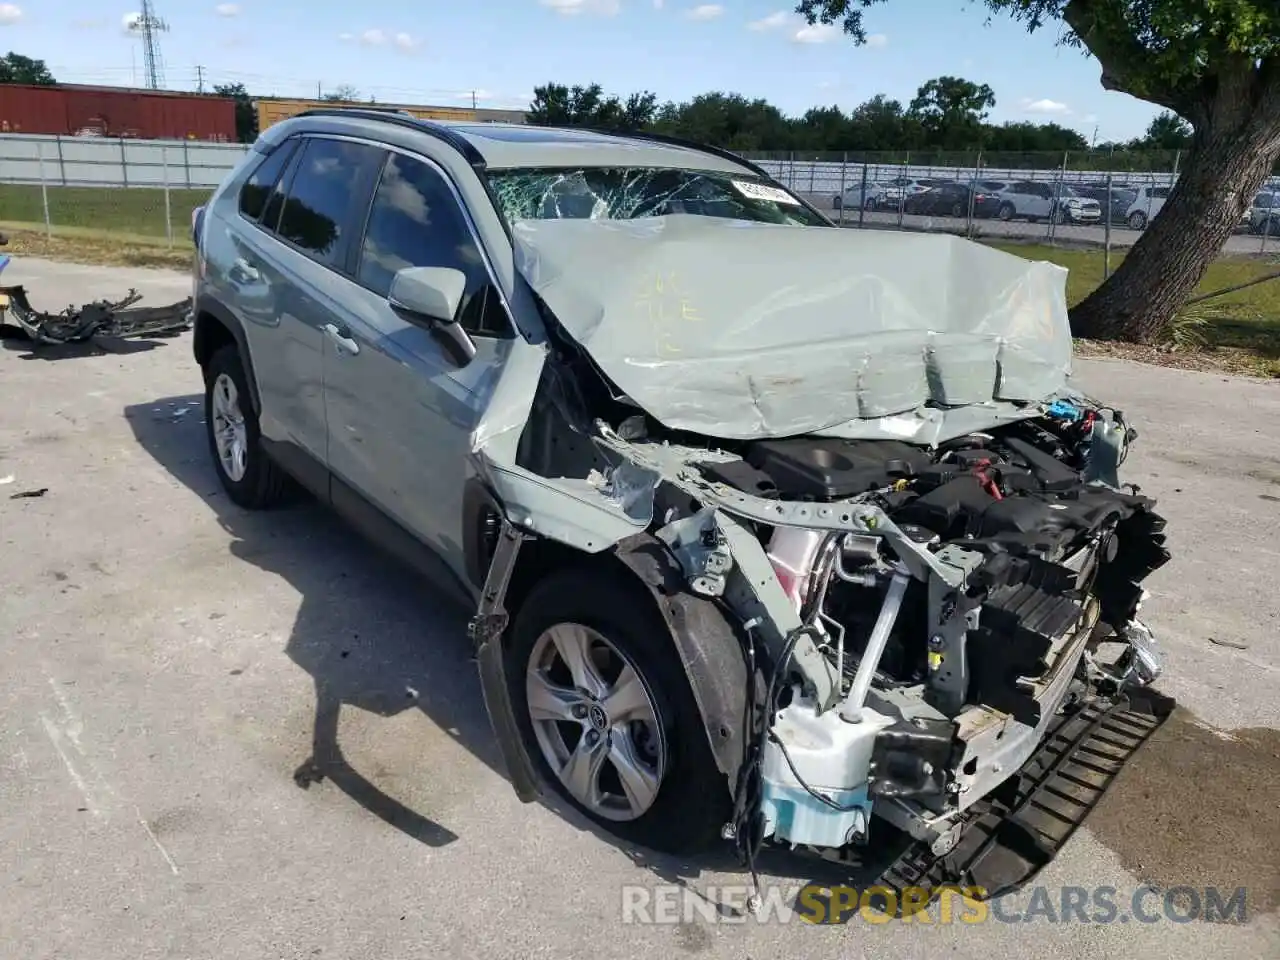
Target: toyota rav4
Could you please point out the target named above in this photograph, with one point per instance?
(764, 539)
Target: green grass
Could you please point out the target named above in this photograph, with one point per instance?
(139, 212)
(1247, 320)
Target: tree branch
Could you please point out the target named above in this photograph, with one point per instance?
(1122, 58)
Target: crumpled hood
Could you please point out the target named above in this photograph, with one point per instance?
(742, 330)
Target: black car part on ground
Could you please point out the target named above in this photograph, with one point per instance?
(105, 318)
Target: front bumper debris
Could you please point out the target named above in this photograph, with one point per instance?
(118, 319)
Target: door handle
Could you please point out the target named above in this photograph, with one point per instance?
(340, 339)
(245, 269)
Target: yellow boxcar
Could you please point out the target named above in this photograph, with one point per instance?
(272, 111)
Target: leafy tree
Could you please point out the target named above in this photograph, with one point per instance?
(344, 93)
(1215, 63)
(952, 111)
(558, 105)
(246, 114)
(15, 68)
(1168, 131)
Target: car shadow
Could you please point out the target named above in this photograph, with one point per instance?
(372, 638)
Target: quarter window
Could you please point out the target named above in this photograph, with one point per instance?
(256, 190)
(317, 213)
(416, 222)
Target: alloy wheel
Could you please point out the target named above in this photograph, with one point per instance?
(595, 721)
(229, 434)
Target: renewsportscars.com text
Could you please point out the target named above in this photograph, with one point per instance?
(813, 904)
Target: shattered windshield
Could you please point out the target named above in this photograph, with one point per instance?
(628, 193)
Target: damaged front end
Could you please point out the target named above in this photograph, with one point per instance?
(918, 530)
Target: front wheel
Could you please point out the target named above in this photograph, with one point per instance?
(607, 713)
(1006, 211)
(1137, 220)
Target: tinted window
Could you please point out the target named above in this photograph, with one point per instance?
(254, 193)
(416, 222)
(317, 212)
(1160, 192)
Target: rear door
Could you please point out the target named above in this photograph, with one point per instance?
(401, 409)
(289, 274)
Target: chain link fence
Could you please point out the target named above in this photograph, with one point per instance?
(109, 189)
(1093, 202)
(1096, 203)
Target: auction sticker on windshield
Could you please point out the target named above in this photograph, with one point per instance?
(759, 191)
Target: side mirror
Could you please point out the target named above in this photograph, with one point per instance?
(435, 294)
(431, 292)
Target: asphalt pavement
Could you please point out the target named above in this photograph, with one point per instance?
(172, 662)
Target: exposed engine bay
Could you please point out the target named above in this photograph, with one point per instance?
(961, 610)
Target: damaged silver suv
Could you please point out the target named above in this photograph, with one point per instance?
(766, 539)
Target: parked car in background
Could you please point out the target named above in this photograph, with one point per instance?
(1121, 198)
(873, 196)
(1150, 200)
(1264, 214)
(952, 200)
(1147, 202)
(1039, 200)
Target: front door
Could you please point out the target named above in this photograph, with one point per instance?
(400, 409)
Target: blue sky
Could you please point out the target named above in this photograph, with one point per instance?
(436, 51)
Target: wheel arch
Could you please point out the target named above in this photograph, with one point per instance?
(707, 641)
(216, 327)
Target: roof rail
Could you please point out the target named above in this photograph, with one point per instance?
(404, 119)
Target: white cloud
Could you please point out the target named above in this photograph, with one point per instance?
(707, 11)
(774, 21)
(877, 40)
(571, 8)
(657, 4)
(227, 9)
(10, 13)
(406, 43)
(1089, 118)
(816, 33)
(373, 38)
(1044, 106)
(346, 37)
(129, 21)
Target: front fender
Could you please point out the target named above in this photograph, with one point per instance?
(711, 647)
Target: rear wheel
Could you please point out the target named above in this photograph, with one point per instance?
(250, 478)
(607, 713)
(1137, 220)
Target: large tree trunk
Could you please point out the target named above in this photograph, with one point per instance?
(1235, 111)
(1223, 173)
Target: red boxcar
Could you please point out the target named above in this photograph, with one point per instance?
(73, 110)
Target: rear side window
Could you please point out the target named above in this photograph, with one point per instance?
(415, 221)
(256, 190)
(318, 212)
(1160, 192)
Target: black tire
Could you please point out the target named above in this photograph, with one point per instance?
(1007, 211)
(1137, 220)
(264, 484)
(957, 210)
(693, 801)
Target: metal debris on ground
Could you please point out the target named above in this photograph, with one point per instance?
(119, 319)
(1228, 643)
(29, 494)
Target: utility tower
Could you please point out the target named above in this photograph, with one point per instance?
(148, 25)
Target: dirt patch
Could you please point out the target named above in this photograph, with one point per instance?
(1236, 361)
(1200, 809)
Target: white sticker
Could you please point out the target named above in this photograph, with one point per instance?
(759, 191)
